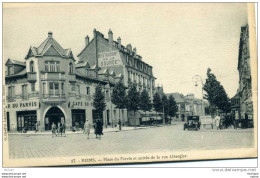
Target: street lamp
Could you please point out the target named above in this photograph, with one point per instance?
(196, 79)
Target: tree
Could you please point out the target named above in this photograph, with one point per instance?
(145, 102)
(157, 103)
(216, 94)
(172, 106)
(164, 107)
(99, 100)
(118, 96)
(133, 99)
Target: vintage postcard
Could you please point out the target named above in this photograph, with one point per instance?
(111, 83)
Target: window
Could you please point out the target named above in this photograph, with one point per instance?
(43, 88)
(11, 91)
(88, 91)
(10, 70)
(107, 94)
(62, 88)
(52, 66)
(54, 89)
(73, 87)
(31, 66)
(33, 86)
(71, 68)
(24, 91)
(78, 89)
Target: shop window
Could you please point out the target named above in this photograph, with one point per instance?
(24, 92)
(26, 120)
(33, 86)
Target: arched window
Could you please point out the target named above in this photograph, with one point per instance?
(31, 66)
(71, 68)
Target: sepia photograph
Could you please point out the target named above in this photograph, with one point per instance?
(119, 83)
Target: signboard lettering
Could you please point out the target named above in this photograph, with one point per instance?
(106, 59)
(27, 104)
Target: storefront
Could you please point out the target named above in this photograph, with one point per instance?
(26, 119)
(78, 118)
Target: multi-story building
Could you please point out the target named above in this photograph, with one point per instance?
(245, 85)
(187, 106)
(235, 106)
(49, 87)
(120, 60)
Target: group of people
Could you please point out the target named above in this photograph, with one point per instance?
(98, 127)
(58, 130)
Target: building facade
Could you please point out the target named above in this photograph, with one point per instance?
(245, 79)
(119, 60)
(187, 106)
(50, 87)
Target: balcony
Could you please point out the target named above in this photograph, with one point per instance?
(53, 76)
(53, 99)
(24, 97)
(31, 76)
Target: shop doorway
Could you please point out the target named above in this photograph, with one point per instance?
(54, 115)
(78, 118)
(26, 120)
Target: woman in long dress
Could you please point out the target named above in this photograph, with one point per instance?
(99, 129)
(87, 128)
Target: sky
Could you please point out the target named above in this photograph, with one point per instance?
(179, 40)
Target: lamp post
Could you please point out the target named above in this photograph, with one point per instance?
(196, 79)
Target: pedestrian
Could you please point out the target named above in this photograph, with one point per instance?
(99, 129)
(119, 124)
(95, 128)
(62, 128)
(217, 120)
(36, 126)
(87, 128)
(59, 129)
(53, 130)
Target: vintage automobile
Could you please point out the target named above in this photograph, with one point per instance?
(193, 123)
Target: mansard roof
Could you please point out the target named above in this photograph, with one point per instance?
(14, 62)
(82, 64)
(50, 47)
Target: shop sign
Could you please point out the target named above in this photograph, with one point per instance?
(73, 104)
(26, 104)
(111, 58)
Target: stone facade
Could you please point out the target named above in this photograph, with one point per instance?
(118, 59)
(51, 87)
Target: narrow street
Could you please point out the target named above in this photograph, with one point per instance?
(168, 138)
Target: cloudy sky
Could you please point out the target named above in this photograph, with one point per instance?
(178, 40)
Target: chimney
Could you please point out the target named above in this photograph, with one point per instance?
(87, 40)
(49, 34)
(119, 42)
(94, 33)
(134, 51)
(129, 47)
(110, 37)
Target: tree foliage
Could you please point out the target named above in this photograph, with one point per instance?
(157, 102)
(145, 102)
(172, 106)
(216, 94)
(99, 99)
(118, 96)
(133, 98)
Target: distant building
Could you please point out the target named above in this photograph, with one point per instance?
(187, 105)
(235, 106)
(245, 84)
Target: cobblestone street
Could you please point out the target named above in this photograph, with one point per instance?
(168, 138)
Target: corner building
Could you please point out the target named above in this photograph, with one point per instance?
(118, 59)
(50, 87)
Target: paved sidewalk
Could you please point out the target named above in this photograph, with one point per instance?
(105, 130)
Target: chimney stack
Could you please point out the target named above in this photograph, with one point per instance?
(94, 33)
(87, 40)
(49, 34)
(134, 51)
(110, 37)
(129, 47)
(119, 42)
